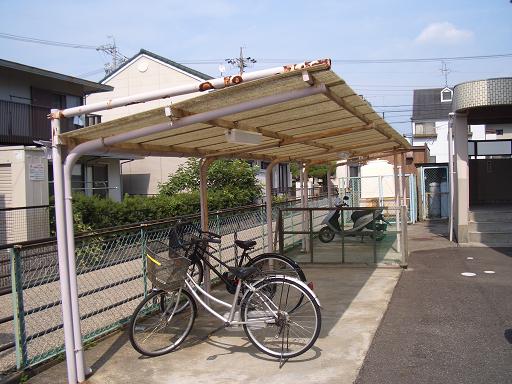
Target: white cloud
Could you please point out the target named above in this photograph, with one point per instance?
(443, 33)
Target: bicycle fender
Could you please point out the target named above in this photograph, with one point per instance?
(300, 282)
(266, 254)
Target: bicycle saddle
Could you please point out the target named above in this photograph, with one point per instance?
(245, 244)
(243, 273)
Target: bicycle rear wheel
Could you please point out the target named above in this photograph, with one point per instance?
(162, 321)
(275, 324)
(276, 264)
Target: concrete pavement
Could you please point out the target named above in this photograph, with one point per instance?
(353, 300)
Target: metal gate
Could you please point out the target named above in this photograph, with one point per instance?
(435, 192)
(379, 191)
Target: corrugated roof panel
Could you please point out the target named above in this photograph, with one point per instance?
(307, 128)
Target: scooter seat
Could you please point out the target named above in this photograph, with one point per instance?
(245, 244)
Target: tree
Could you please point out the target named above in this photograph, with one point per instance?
(315, 171)
(231, 183)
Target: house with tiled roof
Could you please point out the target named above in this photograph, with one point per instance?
(146, 71)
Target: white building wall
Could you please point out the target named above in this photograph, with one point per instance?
(144, 74)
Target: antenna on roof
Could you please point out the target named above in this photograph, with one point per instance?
(241, 62)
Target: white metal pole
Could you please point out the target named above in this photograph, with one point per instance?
(207, 85)
(60, 221)
(268, 201)
(81, 369)
(450, 171)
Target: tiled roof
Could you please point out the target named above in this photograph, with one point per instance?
(427, 105)
(184, 68)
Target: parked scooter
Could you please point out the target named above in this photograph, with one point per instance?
(366, 222)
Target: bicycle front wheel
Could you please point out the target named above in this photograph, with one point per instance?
(275, 324)
(162, 321)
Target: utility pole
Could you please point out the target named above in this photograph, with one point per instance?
(241, 62)
(445, 71)
(117, 58)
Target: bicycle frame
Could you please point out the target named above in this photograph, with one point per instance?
(193, 287)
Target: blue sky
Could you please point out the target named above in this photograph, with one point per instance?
(275, 33)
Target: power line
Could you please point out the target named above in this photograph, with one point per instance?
(45, 42)
(366, 61)
(117, 58)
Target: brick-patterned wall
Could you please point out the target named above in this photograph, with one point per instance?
(483, 93)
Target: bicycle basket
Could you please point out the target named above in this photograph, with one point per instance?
(165, 269)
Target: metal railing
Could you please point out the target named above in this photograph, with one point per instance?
(111, 280)
(21, 123)
(299, 229)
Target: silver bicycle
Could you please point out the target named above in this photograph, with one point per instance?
(279, 314)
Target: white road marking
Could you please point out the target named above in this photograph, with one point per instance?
(468, 274)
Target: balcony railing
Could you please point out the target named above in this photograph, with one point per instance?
(21, 124)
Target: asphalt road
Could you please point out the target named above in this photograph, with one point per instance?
(443, 327)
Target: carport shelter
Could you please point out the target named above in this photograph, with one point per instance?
(297, 113)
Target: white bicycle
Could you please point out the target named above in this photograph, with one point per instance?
(279, 314)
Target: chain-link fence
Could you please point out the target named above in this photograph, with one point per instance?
(435, 192)
(111, 280)
(379, 191)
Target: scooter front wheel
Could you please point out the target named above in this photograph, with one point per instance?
(326, 235)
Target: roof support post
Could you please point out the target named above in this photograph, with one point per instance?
(268, 202)
(329, 186)
(404, 186)
(304, 200)
(81, 368)
(69, 344)
(460, 132)
(450, 172)
(397, 199)
(203, 198)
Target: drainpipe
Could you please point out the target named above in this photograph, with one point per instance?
(60, 221)
(203, 198)
(268, 201)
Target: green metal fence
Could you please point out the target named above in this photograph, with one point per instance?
(381, 244)
(111, 281)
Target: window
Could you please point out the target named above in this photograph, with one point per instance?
(499, 132)
(446, 95)
(264, 165)
(353, 171)
(100, 180)
(425, 129)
